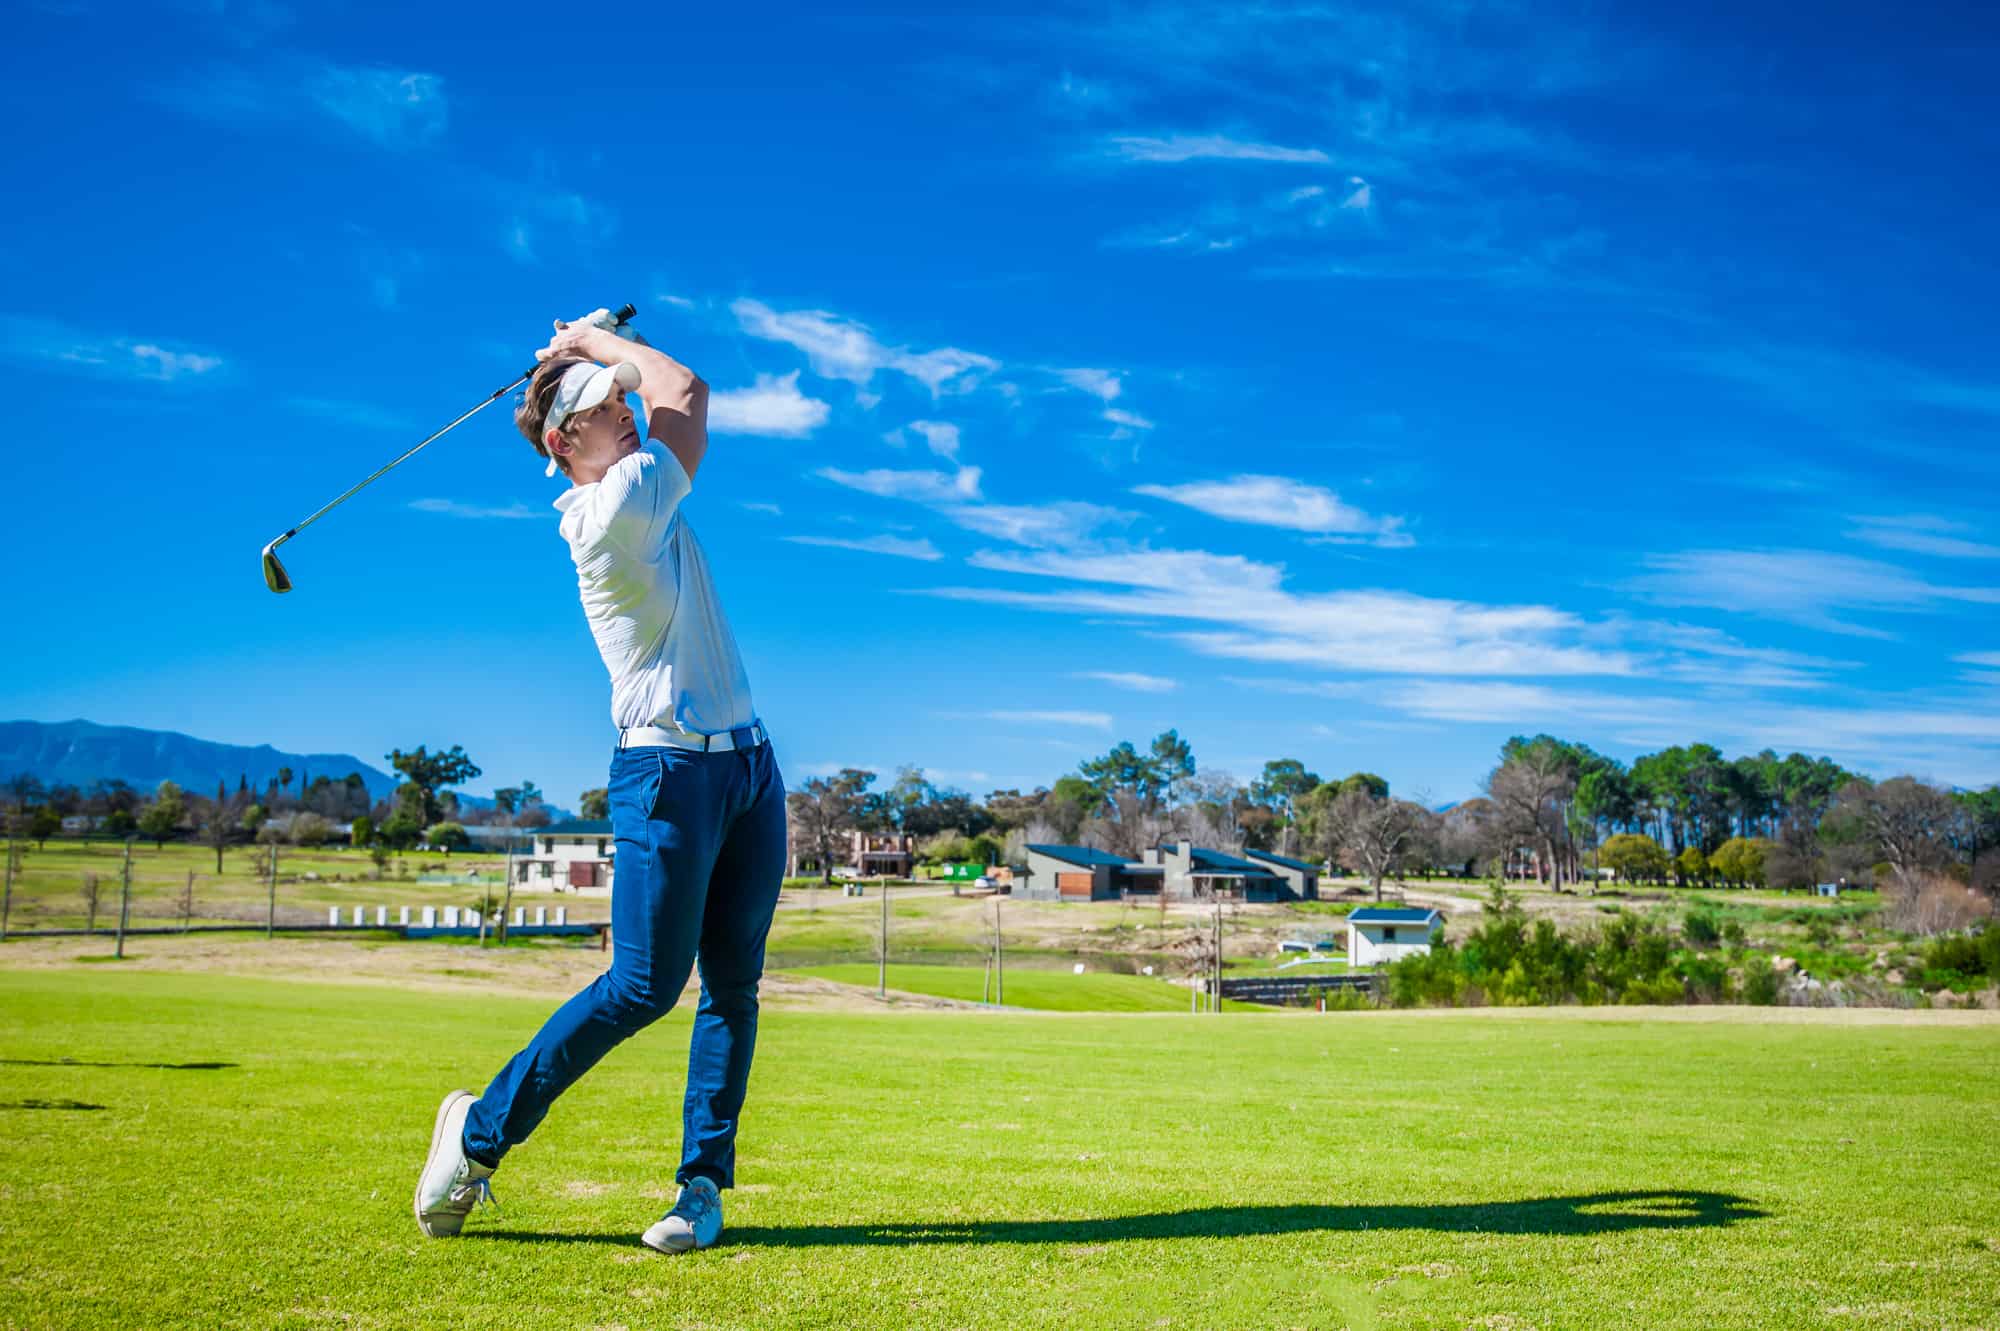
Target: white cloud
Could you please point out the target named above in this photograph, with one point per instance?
(774, 408)
(758, 506)
(1104, 385)
(1130, 679)
(875, 545)
(1804, 587)
(159, 363)
(1385, 632)
(1211, 147)
(1276, 501)
(1058, 524)
(1131, 420)
(924, 487)
(838, 348)
(43, 341)
(518, 240)
(1979, 659)
(453, 508)
(1922, 534)
(1361, 198)
(393, 107)
(1089, 720)
(941, 437)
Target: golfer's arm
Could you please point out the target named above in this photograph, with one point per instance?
(676, 402)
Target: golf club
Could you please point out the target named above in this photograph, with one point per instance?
(275, 576)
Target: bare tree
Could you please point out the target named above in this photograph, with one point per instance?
(1529, 793)
(820, 811)
(1910, 822)
(91, 895)
(1373, 835)
(1920, 902)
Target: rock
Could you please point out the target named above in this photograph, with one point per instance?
(1784, 965)
(1945, 998)
(1894, 976)
(1988, 998)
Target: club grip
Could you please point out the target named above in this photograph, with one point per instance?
(624, 313)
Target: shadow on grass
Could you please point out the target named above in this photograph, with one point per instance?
(1587, 1213)
(48, 1104)
(85, 1063)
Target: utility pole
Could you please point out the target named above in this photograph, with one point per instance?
(271, 918)
(1215, 1004)
(882, 960)
(7, 901)
(999, 959)
(124, 900)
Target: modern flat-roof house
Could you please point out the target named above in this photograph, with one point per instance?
(1300, 876)
(1073, 873)
(1194, 873)
(1379, 934)
(860, 855)
(575, 856)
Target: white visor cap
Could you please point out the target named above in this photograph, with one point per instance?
(584, 387)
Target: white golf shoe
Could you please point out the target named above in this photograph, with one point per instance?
(452, 1181)
(695, 1221)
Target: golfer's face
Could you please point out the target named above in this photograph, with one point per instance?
(606, 433)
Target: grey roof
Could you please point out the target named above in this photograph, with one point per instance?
(1086, 855)
(577, 827)
(1393, 915)
(1286, 860)
(1221, 860)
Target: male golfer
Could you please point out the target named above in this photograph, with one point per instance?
(697, 805)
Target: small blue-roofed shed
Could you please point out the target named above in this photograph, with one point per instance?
(1377, 935)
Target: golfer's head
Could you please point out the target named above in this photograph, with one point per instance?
(575, 415)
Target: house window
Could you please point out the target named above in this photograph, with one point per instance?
(600, 848)
(1388, 935)
(548, 870)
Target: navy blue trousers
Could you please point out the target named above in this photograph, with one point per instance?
(699, 857)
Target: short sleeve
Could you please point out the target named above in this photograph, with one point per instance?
(638, 497)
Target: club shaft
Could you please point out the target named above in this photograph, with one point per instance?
(400, 459)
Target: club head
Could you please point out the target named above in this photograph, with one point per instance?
(275, 576)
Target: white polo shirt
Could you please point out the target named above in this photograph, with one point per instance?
(651, 605)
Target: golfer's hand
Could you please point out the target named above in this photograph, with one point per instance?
(581, 339)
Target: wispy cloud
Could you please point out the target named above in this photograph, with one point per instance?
(59, 346)
(759, 506)
(773, 407)
(924, 487)
(1058, 524)
(1104, 385)
(1258, 619)
(1088, 720)
(1989, 659)
(453, 508)
(1804, 587)
(1130, 679)
(1277, 501)
(1922, 534)
(838, 348)
(1206, 147)
(940, 437)
(394, 108)
(875, 545)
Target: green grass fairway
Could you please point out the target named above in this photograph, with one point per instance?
(1043, 990)
(231, 1152)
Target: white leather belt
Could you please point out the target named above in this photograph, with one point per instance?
(658, 737)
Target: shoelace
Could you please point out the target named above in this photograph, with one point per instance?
(692, 1204)
(479, 1192)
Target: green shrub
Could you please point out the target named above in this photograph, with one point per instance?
(1760, 982)
(1702, 929)
(1969, 954)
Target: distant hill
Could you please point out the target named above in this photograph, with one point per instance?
(79, 753)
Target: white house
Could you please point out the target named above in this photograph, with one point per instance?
(1379, 934)
(1826, 889)
(575, 856)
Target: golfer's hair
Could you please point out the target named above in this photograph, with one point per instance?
(538, 398)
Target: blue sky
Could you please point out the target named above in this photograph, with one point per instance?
(1361, 385)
